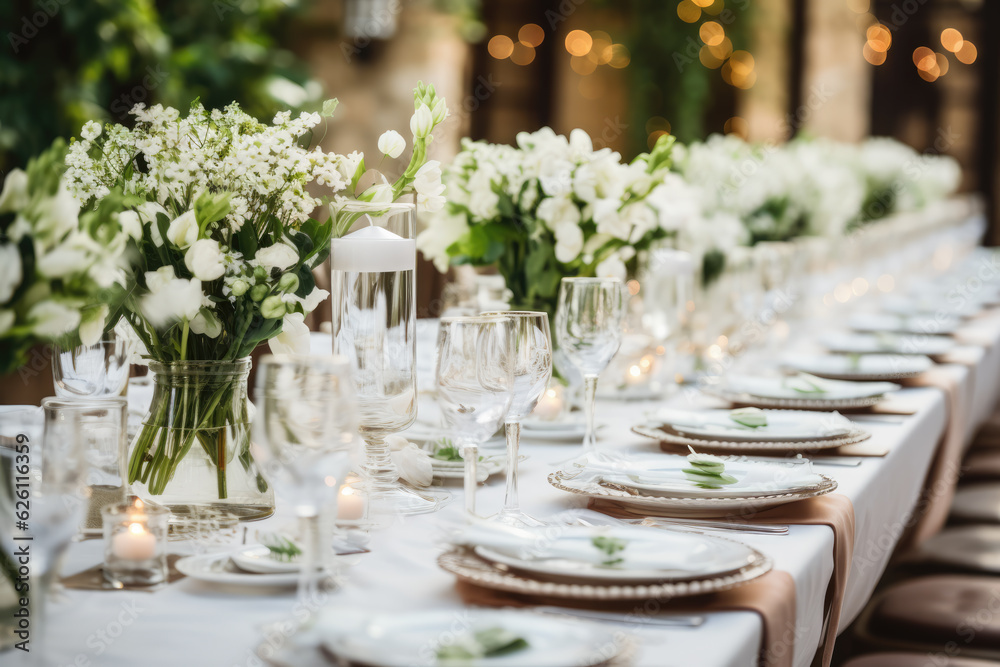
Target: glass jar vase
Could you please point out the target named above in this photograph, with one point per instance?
(193, 448)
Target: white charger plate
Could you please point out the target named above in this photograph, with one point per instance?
(706, 555)
(218, 569)
(411, 639)
(911, 324)
(865, 367)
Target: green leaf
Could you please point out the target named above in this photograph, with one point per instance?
(211, 207)
(302, 243)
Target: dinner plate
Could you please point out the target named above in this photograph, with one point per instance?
(219, 568)
(782, 425)
(468, 567)
(412, 639)
(865, 367)
(921, 307)
(683, 556)
(669, 439)
(490, 465)
(794, 392)
(258, 559)
(909, 324)
(717, 505)
(859, 343)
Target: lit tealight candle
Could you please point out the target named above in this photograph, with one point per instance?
(135, 544)
(550, 405)
(350, 501)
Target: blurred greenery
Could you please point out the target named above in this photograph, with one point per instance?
(69, 61)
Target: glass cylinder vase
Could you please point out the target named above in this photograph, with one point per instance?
(193, 448)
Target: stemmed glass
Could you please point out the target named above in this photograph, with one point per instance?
(532, 364)
(475, 382)
(373, 301)
(91, 371)
(589, 324)
(306, 439)
(667, 302)
(57, 499)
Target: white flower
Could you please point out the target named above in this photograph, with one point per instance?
(129, 221)
(10, 271)
(183, 230)
(391, 143)
(51, 319)
(311, 300)
(147, 214)
(206, 323)
(381, 193)
(569, 242)
(6, 320)
(609, 220)
(205, 260)
(170, 299)
(92, 326)
(91, 130)
(612, 267)
(14, 196)
(412, 462)
(556, 211)
(442, 231)
(422, 122)
(277, 256)
(294, 336)
(59, 215)
(440, 111)
(64, 259)
(430, 189)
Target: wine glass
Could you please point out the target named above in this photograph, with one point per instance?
(589, 323)
(373, 300)
(306, 438)
(667, 303)
(47, 475)
(475, 382)
(91, 371)
(532, 364)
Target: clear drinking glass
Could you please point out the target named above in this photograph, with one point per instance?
(306, 438)
(589, 325)
(667, 304)
(91, 371)
(532, 363)
(374, 326)
(475, 382)
(43, 512)
(104, 433)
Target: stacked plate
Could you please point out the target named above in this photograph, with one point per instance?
(790, 431)
(658, 486)
(860, 367)
(600, 563)
(488, 465)
(568, 428)
(801, 392)
(866, 343)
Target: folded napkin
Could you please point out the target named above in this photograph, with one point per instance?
(576, 544)
(810, 425)
(804, 385)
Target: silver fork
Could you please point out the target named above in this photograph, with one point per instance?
(756, 529)
(634, 620)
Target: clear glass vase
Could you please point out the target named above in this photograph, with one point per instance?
(193, 448)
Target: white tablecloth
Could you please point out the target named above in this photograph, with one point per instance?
(194, 624)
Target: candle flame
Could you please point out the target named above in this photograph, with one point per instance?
(138, 503)
(136, 529)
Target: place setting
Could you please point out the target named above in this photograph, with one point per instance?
(857, 367)
(801, 391)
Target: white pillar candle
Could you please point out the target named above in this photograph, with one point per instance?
(373, 249)
(550, 405)
(136, 543)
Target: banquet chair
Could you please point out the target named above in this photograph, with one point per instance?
(981, 465)
(972, 549)
(930, 613)
(899, 659)
(976, 503)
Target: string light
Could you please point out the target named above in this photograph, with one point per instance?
(738, 126)
(712, 33)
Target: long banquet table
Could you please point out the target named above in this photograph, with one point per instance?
(196, 624)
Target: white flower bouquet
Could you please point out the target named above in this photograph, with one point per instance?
(56, 264)
(553, 207)
(225, 248)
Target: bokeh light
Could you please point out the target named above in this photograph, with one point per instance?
(859, 6)
(657, 123)
(620, 56)
(703, 3)
(709, 59)
(738, 126)
(879, 38)
(967, 53)
(531, 34)
(578, 42)
(500, 46)
(688, 11)
(522, 54)
(722, 50)
(712, 33)
(582, 65)
(951, 39)
(873, 56)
